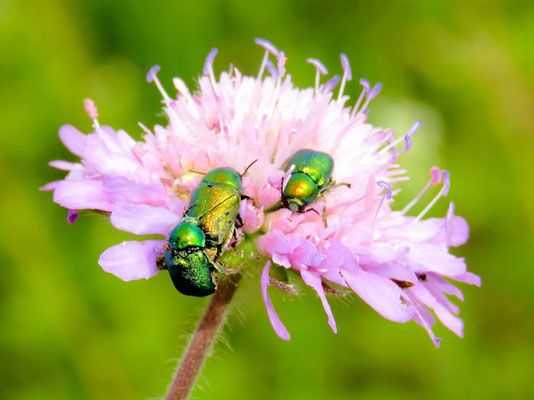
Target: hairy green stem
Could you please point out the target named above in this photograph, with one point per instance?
(203, 339)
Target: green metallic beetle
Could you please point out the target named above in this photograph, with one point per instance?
(310, 177)
(196, 243)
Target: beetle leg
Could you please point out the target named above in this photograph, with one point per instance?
(235, 235)
(322, 215)
(325, 222)
(335, 184)
(218, 227)
(312, 210)
(239, 221)
(222, 245)
(332, 184)
(218, 267)
(274, 208)
(160, 262)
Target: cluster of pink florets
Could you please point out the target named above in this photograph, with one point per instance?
(398, 264)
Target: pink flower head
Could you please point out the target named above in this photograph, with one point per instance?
(398, 263)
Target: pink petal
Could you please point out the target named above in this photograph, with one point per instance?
(370, 194)
(283, 220)
(426, 257)
(49, 186)
(419, 317)
(276, 242)
(99, 156)
(306, 254)
(448, 319)
(132, 260)
(277, 325)
(73, 139)
(379, 253)
(82, 194)
(252, 218)
(380, 293)
(420, 231)
(393, 270)
(316, 283)
(435, 290)
(337, 257)
(125, 191)
(469, 278)
(458, 231)
(107, 194)
(445, 286)
(281, 260)
(143, 220)
(63, 165)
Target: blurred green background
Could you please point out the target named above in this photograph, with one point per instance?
(70, 331)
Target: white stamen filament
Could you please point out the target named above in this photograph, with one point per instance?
(180, 85)
(416, 198)
(347, 74)
(342, 87)
(145, 129)
(373, 92)
(389, 134)
(358, 102)
(263, 63)
(320, 69)
(385, 195)
(275, 96)
(212, 80)
(434, 180)
(407, 138)
(443, 192)
(166, 97)
(271, 69)
(364, 106)
(279, 75)
(345, 204)
(96, 125)
(449, 217)
(429, 206)
(392, 144)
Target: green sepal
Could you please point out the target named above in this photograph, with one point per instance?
(279, 273)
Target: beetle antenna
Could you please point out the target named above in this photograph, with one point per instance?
(246, 169)
(196, 172)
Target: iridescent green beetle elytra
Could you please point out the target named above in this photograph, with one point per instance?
(310, 177)
(196, 243)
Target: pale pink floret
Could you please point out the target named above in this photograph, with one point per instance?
(367, 247)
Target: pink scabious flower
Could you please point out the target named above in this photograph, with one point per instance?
(399, 264)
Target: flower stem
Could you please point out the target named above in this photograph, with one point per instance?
(203, 339)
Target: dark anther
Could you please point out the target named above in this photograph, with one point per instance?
(402, 284)
(421, 277)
